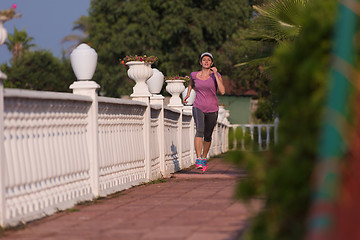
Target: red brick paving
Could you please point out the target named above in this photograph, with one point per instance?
(191, 205)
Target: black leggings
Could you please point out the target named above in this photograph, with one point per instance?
(205, 123)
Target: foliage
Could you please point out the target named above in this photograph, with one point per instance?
(275, 23)
(146, 59)
(39, 70)
(81, 24)
(231, 137)
(298, 85)
(240, 49)
(175, 31)
(18, 43)
(264, 112)
(10, 13)
(281, 19)
(177, 77)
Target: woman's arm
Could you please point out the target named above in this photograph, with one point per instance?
(219, 81)
(191, 84)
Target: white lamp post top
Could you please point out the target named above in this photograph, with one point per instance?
(83, 61)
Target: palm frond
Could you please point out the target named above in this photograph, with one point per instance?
(281, 17)
(256, 61)
(73, 38)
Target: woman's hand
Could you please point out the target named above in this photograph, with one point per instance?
(219, 81)
(214, 70)
(188, 92)
(185, 98)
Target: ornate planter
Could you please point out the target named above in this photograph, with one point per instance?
(83, 61)
(140, 72)
(191, 98)
(3, 32)
(175, 87)
(3, 36)
(222, 113)
(155, 82)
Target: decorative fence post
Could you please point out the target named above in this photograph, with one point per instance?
(83, 61)
(175, 88)
(188, 109)
(159, 100)
(3, 37)
(276, 125)
(2, 153)
(155, 83)
(146, 131)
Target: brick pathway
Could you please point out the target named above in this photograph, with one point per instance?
(190, 205)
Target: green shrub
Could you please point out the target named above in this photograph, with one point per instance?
(283, 175)
(231, 138)
(39, 70)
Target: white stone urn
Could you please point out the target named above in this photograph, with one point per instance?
(155, 82)
(3, 32)
(175, 88)
(222, 113)
(140, 72)
(191, 98)
(3, 36)
(83, 61)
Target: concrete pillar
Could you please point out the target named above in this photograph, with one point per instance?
(90, 88)
(159, 100)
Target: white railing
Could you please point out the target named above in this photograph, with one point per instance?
(58, 149)
(254, 136)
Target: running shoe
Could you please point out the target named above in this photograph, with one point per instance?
(198, 163)
(204, 164)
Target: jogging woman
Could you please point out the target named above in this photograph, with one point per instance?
(206, 106)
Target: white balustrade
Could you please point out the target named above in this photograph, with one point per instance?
(46, 158)
(250, 132)
(155, 143)
(171, 119)
(59, 149)
(187, 154)
(47, 145)
(121, 145)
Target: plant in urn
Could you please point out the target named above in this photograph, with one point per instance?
(140, 71)
(6, 15)
(175, 86)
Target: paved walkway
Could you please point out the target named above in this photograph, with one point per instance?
(190, 205)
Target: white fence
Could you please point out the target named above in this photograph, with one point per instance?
(254, 136)
(58, 149)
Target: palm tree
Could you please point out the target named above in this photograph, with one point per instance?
(281, 19)
(81, 24)
(277, 22)
(18, 43)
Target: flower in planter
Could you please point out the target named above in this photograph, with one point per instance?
(146, 59)
(177, 77)
(186, 78)
(9, 13)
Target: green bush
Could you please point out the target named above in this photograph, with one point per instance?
(39, 70)
(283, 175)
(264, 112)
(231, 138)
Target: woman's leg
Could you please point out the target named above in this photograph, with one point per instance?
(198, 146)
(206, 148)
(210, 123)
(200, 126)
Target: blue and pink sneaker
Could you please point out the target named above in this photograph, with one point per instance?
(204, 164)
(198, 163)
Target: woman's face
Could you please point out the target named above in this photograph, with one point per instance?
(206, 62)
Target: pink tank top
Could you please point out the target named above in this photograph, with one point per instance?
(206, 99)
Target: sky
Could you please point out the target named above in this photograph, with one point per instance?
(47, 21)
